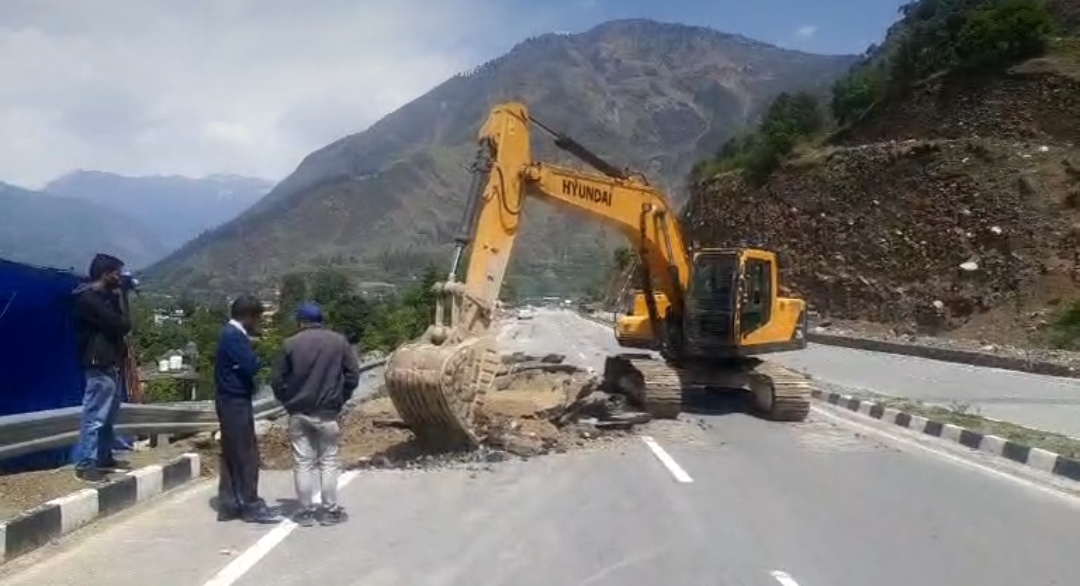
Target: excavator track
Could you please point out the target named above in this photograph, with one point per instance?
(657, 386)
(662, 394)
(781, 394)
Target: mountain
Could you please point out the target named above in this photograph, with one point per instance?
(63, 232)
(651, 95)
(176, 208)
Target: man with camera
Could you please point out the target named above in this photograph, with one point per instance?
(102, 325)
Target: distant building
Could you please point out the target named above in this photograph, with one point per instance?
(162, 317)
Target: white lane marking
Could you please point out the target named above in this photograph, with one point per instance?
(666, 459)
(1043, 488)
(784, 578)
(251, 556)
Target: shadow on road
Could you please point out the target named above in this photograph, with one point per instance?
(717, 402)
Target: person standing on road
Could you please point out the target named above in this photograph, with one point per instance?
(314, 377)
(234, 375)
(102, 324)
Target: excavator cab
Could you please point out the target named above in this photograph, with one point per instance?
(733, 307)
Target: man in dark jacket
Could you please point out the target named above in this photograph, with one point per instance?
(102, 325)
(234, 376)
(314, 378)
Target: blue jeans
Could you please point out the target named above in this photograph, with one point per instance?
(101, 403)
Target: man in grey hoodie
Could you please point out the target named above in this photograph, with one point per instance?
(314, 377)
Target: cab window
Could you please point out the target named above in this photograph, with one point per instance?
(757, 304)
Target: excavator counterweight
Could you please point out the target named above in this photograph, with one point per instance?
(708, 313)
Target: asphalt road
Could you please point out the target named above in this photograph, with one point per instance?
(1042, 402)
(728, 500)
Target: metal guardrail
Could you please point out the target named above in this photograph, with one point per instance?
(26, 433)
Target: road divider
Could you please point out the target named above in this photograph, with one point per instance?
(41, 525)
(1038, 458)
(954, 355)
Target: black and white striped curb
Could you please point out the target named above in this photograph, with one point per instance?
(1037, 458)
(42, 524)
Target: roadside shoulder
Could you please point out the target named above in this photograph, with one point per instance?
(42, 524)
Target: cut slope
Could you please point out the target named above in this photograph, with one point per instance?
(925, 233)
(651, 95)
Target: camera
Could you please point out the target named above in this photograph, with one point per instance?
(128, 282)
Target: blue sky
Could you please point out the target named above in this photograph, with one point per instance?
(820, 26)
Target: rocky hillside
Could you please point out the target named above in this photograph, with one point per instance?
(62, 232)
(176, 208)
(953, 206)
(651, 95)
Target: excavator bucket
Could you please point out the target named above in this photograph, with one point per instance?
(438, 381)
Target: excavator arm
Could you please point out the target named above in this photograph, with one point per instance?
(438, 381)
(506, 175)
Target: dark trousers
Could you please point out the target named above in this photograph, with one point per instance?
(238, 483)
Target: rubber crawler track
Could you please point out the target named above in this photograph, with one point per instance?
(663, 387)
(791, 391)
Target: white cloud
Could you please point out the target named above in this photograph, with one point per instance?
(213, 86)
(805, 32)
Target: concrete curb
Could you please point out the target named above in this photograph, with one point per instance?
(37, 527)
(1037, 458)
(971, 357)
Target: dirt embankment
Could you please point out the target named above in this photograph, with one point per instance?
(949, 211)
(927, 234)
(1037, 101)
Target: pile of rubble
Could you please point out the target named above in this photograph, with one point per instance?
(540, 405)
(927, 234)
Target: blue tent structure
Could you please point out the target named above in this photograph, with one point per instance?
(39, 367)
(39, 364)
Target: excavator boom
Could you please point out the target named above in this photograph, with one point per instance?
(438, 381)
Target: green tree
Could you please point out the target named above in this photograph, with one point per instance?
(1003, 34)
(623, 257)
(855, 93)
(294, 290)
(351, 315)
(508, 293)
(186, 304)
(788, 119)
(329, 285)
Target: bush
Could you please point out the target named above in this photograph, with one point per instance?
(940, 35)
(789, 119)
(854, 94)
(1065, 328)
(166, 390)
(1009, 32)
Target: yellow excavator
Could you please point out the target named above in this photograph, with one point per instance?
(718, 309)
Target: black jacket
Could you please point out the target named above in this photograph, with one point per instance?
(316, 373)
(101, 327)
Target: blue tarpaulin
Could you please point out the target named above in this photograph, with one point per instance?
(39, 366)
